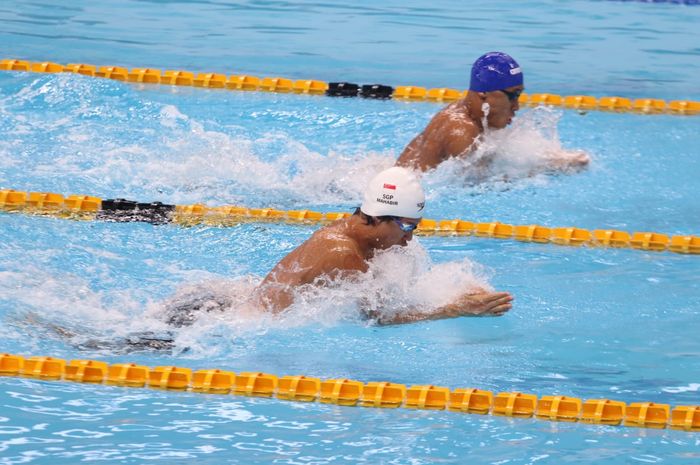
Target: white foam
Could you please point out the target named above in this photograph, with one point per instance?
(64, 296)
(399, 279)
(692, 387)
(198, 164)
(218, 166)
(517, 156)
(175, 158)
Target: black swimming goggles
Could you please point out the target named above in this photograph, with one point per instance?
(512, 95)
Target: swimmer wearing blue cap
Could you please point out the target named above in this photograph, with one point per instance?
(496, 83)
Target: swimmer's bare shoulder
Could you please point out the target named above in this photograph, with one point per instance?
(335, 252)
(450, 133)
(329, 253)
(460, 132)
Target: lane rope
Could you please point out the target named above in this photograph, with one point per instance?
(674, 2)
(581, 103)
(121, 210)
(347, 392)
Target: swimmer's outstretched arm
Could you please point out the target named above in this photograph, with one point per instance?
(273, 297)
(480, 304)
(564, 160)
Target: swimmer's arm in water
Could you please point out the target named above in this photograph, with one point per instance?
(568, 160)
(482, 303)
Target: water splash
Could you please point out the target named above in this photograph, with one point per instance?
(523, 153)
(399, 279)
(111, 139)
(218, 314)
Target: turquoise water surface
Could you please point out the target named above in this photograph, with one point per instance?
(589, 323)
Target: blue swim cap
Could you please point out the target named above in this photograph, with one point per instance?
(495, 71)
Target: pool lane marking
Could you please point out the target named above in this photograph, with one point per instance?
(581, 103)
(121, 210)
(348, 392)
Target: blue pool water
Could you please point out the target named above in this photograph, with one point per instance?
(588, 323)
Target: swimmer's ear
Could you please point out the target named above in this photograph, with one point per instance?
(482, 95)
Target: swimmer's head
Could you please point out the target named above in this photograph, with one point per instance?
(495, 71)
(497, 81)
(394, 192)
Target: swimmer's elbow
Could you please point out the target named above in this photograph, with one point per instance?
(402, 163)
(273, 298)
(411, 163)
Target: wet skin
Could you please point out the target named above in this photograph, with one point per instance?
(454, 131)
(341, 250)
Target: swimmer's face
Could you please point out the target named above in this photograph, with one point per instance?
(502, 106)
(395, 232)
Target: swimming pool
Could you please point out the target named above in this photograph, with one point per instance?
(587, 322)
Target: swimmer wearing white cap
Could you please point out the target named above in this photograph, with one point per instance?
(392, 208)
(495, 86)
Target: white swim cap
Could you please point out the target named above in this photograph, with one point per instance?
(394, 192)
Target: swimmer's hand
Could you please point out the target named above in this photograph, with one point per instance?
(479, 304)
(482, 303)
(568, 160)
